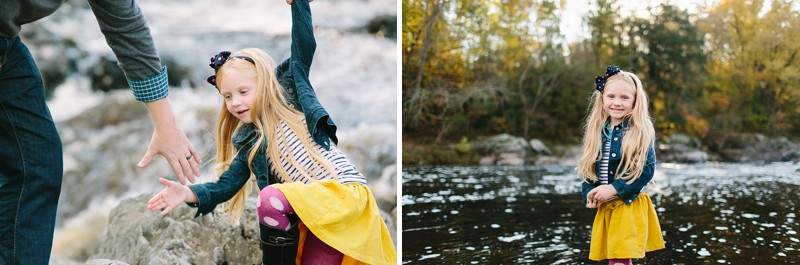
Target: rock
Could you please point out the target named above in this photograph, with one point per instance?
(510, 159)
(539, 148)
(486, 161)
(384, 26)
(681, 148)
(106, 75)
(504, 149)
(138, 236)
(684, 140)
(383, 189)
(178, 75)
(748, 147)
(105, 262)
(56, 56)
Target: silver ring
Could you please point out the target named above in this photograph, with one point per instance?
(189, 157)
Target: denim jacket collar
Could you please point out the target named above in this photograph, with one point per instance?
(245, 135)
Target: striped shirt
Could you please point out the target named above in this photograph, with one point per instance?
(604, 163)
(345, 171)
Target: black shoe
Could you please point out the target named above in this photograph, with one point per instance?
(279, 247)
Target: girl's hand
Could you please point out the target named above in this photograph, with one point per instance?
(602, 193)
(591, 203)
(169, 198)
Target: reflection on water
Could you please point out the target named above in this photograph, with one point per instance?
(709, 213)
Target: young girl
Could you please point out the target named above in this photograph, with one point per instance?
(292, 156)
(617, 162)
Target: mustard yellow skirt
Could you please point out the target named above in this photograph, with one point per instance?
(625, 231)
(344, 216)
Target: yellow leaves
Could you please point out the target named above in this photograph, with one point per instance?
(672, 26)
(499, 124)
(697, 125)
(720, 101)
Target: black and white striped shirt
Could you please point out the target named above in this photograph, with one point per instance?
(604, 163)
(346, 172)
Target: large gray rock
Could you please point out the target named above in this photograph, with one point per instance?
(746, 147)
(539, 147)
(503, 149)
(137, 236)
(105, 262)
(681, 148)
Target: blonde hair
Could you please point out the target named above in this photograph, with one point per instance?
(636, 141)
(269, 108)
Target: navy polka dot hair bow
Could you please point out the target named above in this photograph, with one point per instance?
(218, 60)
(600, 82)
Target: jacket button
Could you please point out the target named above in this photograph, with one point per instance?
(615, 138)
(262, 177)
(613, 154)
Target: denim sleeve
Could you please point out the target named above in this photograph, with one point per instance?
(586, 187)
(320, 125)
(212, 193)
(128, 36)
(628, 193)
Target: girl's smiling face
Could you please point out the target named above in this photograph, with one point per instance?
(238, 88)
(618, 99)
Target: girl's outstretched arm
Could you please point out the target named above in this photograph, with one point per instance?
(320, 125)
(171, 196)
(303, 42)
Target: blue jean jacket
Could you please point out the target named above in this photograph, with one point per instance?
(210, 194)
(293, 75)
(627, 192)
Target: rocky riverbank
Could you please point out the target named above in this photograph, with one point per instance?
(506, 149)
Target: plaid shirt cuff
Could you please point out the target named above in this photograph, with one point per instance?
(152, 88)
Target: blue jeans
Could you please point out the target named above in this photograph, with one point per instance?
(30, 159)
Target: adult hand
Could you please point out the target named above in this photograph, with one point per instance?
(170, 142)
(168, 198)
(602, 193)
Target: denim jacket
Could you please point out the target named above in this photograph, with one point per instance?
(210, 194)
(293, 76)
(627, 192)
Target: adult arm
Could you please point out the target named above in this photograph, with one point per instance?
(126, 32)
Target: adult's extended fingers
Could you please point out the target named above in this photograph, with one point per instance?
(186, 165)
(175, 163)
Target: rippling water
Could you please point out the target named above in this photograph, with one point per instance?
(709, 213)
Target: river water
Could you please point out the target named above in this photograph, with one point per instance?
(709, 213)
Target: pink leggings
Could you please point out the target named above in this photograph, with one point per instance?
(272, 210)
(620, 261)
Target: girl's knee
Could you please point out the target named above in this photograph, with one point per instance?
(273, 207)
(271, 199)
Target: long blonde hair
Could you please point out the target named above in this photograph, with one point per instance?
(636, 141)
(269, 108)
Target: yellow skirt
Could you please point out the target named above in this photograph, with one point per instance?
(625, 231)
(344, 216)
